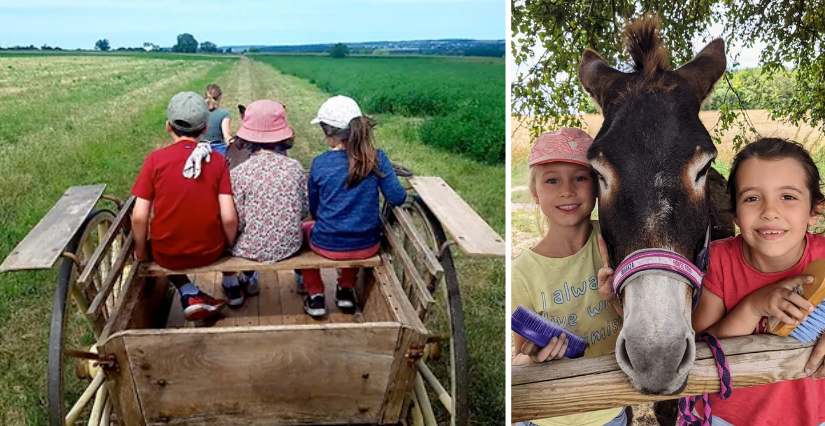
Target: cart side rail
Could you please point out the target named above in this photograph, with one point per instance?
(122, 222)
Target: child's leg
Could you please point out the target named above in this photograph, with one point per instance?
(232, 289)
(178, 280)
(249, 282)
(347, 277)
(311, 277)
(312, 281)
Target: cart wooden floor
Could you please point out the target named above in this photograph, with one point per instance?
(278, 303)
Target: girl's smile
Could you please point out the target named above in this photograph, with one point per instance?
(569, 208)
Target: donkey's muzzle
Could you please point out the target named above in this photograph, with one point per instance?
(656, 346)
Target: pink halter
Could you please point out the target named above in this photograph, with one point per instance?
(663, 262)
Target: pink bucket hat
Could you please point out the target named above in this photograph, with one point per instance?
(566, 144)
(265, 122)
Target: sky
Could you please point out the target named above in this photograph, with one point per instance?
(130, 23)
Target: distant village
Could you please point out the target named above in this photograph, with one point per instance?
(459, 47)
(453, 47)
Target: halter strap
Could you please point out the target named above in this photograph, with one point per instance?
(648, 261)
(664, 262)
(686, 405)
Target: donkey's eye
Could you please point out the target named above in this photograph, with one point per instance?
(702, 173)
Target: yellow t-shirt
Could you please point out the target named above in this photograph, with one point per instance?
(566, 291)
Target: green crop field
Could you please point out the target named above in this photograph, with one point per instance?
(70, 120)
(461, 99)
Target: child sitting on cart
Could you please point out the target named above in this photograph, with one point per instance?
(270, 192)
(343, 198)
(194, 217)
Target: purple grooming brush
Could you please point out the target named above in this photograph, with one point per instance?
(540, 330)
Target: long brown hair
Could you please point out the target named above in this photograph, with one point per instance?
(213, 96)
(358, 144)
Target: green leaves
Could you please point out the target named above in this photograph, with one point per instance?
(547, 89)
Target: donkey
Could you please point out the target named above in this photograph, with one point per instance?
(652, 157)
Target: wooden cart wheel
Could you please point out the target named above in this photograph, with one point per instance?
(443, 369)
(76, 390)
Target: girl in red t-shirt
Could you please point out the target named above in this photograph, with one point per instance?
(775, 193)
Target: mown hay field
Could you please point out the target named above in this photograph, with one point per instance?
(69, 120)
(460, 99)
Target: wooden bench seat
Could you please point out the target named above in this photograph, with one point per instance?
(306, 259)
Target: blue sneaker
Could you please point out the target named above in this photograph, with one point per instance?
(249, 283)
(232, 290)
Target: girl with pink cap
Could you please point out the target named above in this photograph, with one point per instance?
(344, 185)
(270, 195)
(562, 277)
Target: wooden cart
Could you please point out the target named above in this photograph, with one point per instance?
(124, 354)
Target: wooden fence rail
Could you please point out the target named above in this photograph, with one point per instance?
(571, 386)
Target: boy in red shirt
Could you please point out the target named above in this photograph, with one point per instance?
(194, 216)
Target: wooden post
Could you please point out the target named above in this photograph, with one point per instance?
(571, 386)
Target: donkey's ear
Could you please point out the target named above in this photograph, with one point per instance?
(242, 110)
(705, 69)
(596, 76)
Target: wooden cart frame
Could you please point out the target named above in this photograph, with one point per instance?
(125, 356)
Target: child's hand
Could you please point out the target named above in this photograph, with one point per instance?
(814, 363)
(781, 300)
(141, 253)
(554, 350)
(605, 273)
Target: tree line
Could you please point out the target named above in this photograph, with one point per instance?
(186, 44)
(747, 88)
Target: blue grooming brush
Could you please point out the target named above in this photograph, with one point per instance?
(814, 292)
(540, 330)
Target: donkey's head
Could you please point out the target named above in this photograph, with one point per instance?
(652, 156)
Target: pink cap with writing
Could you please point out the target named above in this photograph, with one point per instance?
(566, 144)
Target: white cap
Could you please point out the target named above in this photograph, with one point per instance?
(337, 111)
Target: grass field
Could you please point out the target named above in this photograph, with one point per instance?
(461, 100)
(75, 120)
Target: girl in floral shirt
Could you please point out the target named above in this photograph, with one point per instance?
(270, 192)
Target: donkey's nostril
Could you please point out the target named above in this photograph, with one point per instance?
(687, 358)
(621, 352)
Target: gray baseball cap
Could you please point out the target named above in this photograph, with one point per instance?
(187, 112)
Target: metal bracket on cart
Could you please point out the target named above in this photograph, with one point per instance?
(414, 353)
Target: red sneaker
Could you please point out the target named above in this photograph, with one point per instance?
(201, 306)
